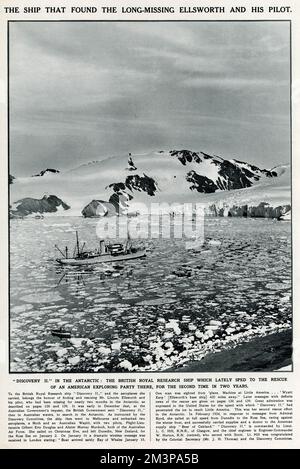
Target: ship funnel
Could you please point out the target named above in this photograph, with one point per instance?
(102, 246)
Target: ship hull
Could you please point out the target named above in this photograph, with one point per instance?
(102, 259)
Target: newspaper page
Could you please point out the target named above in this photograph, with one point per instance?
(148, 253)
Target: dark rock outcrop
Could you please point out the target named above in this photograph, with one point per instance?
(186, 156)
(122, 193)
(48, 204)
(131, 165)
(11, 179)
(201, 183)
(267, 172)
(234, 177)
(120, 201)
(135, 182)
(232, 174)
(230, 177)
(45, 171)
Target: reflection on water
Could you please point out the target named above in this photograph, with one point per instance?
(145, 312)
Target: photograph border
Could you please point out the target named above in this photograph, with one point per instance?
(291, 184)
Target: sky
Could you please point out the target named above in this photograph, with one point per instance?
(84, 91)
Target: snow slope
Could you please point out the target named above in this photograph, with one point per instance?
(166, 176)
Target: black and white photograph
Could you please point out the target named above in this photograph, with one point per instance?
(149, 196)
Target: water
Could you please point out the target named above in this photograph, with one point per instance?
(123, 311)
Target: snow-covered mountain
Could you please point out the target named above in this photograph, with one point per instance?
(175, 176)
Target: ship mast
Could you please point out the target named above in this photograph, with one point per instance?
(77, 244)
(128, 241)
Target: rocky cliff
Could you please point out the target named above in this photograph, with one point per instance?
(28, 206)
(262, 210)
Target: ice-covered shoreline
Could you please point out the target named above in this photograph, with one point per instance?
(195, 349)
(150, 315)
